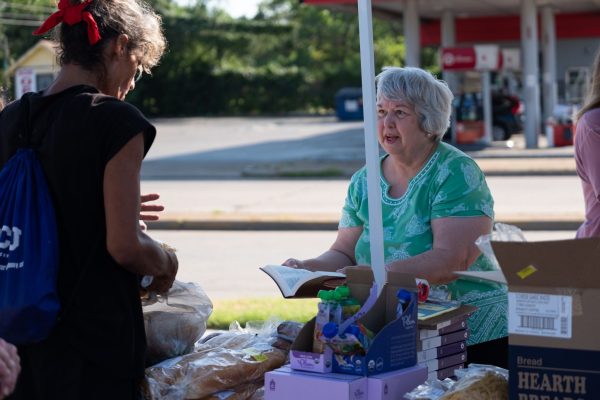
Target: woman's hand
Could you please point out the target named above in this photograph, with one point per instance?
(153, 209)
(161, 284)
(294, 263)
(10, 366)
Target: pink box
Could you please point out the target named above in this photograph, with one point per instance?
(395, 384)
(287, 384)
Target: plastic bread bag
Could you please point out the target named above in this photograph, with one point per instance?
(244, 391)
(479, 382)
(501, 233)
(174, 323)
(430, 390)
(221, 363)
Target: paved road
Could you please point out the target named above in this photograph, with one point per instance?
(522, 199)
(226, 263)
(193, 148)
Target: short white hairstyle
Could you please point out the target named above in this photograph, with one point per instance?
(430, 97)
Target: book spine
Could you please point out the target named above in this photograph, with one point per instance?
(441, 363)
(454, 337)
(428, 333)
(444, 324)
(451, 348)
(442, 374)
(440, 352)
(437, 341)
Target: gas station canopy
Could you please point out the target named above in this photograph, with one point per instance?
(535, 24)
(465, 8)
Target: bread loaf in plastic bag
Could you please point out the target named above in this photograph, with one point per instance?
(175, 322)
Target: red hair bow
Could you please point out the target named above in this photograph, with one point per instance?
(71, 15)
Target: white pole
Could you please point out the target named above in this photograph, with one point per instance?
(487, 107)
(367, 64)
(412, 34)
(451, 78)
(549, 61)
(531, 90)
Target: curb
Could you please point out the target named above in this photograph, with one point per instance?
(297, 225)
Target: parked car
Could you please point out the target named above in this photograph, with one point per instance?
(506, 113)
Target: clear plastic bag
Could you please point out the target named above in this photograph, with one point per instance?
(479, 382)
(175, 322)
(476, 382)
(221, 363)
(430, 390)
(501, 233)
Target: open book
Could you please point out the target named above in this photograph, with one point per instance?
(301, 282)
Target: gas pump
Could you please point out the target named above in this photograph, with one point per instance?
(559, 127)
(473, 105)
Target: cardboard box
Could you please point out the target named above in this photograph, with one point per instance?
(303, 359)
(445, 362)
(443, 340)
(288, 384)
(448, 372)
(554, 339)
(428, 333)
(394, 344)
(395, 384)
(442, 351)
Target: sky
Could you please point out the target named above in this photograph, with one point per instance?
(238, 8)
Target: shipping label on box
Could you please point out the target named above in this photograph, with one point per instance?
(554, 340)
(538, 314)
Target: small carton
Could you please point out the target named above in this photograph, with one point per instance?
(445, 362)
(303, 359)
(394, 344)
(288, 384)
(442, 340)
(554, 294)
(441, 352)
(395, 384)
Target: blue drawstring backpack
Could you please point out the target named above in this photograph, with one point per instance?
(29, 302)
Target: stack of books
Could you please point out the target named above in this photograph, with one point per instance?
(441, 339)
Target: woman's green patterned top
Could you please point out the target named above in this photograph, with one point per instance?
(449, 185)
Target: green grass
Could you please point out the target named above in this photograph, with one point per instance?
(260, 309)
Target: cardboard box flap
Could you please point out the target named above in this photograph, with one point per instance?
(543, 264)
(365, 276)
(359, 275)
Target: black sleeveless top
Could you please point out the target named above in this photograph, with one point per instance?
(77, 132)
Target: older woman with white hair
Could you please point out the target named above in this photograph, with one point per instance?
(435, 202)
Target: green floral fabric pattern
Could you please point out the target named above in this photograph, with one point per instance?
(449, 185)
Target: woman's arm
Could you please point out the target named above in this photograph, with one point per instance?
(10, 366)
(126, 243)
(453, 249)
(339, 255)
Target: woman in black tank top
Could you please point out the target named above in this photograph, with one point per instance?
(91, 145)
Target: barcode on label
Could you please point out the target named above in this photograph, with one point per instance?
(535, 322)
(564, 328)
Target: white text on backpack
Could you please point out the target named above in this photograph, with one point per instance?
(9, 237)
